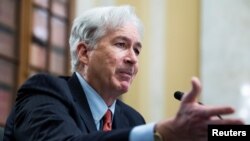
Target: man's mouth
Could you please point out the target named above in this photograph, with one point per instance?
(126, 74)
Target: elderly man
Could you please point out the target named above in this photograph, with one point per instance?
(105, 43)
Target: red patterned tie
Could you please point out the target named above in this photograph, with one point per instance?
(107, 121)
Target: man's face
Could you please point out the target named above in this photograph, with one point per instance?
(113, 65)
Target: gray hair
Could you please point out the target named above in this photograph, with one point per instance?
(95, 23)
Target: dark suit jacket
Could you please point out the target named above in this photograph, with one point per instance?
(50, 108)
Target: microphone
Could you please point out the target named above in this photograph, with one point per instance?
(178, 95)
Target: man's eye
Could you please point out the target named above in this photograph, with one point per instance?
(120, 45)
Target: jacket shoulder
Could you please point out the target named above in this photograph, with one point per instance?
(46, 84)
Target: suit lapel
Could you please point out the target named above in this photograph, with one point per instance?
(119, 121)
(82, 103)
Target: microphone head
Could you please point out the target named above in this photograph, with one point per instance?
(178, 95)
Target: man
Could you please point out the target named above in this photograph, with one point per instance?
(105, 44)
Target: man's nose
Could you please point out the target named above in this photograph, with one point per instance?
(131, 57)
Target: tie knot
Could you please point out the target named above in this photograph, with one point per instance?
(107, 121)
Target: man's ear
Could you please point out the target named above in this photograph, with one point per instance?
(82, 53)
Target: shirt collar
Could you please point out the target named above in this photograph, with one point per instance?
(97, 105)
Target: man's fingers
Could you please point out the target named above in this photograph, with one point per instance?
(195, 91)
(214, 111)
(226, 121)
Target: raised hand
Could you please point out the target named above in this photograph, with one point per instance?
(192, 119)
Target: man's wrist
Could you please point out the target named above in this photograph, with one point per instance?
(157, 136)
